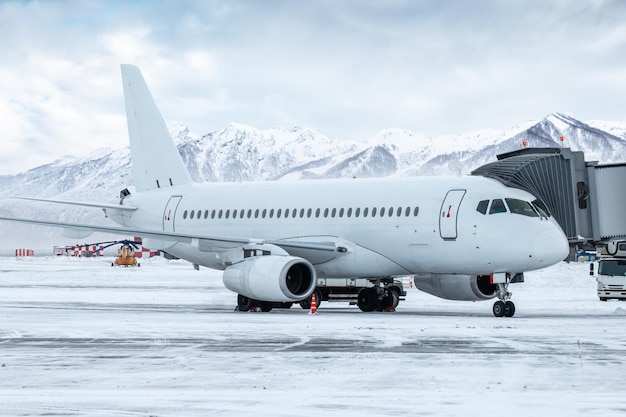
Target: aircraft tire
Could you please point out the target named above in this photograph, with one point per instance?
(390, 300)
(306, 303)
(499, 308)
(244, 303)
(367, 300)
(509, 309)
(395, 296)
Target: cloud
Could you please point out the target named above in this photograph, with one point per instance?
(348, 68)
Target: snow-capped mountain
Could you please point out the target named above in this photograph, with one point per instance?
(243, 153)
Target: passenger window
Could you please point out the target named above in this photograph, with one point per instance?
(309, 212)
(317, 213)
(185, 214)
(278, 213)
(242, 213)
(390, 212)
(206, 214)
(382, 212)
(521, 207)
(325, 212)
(227, 213)
(212, 214)
(271, 213)
(256, 213)
(374, 212)
(365, 211)
(407, 212)
(264, 213)
(416, 211)
(334, 212)
(249, 213)
(497, 206)
(191, 214)
(294, 212)
(341, 212)
(399, 213)
(349, 214)
(301, 213)
(219, 214)
(357, 212)
(482, 206)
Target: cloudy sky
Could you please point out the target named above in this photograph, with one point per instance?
(348, 68)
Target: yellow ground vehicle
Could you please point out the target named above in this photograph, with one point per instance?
(125, 256)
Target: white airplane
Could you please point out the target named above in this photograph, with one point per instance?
(463, 238)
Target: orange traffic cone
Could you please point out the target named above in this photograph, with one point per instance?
(313, 304)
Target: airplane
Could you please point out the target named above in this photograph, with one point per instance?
(462, 238)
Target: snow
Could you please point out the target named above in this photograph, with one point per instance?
(78, 337)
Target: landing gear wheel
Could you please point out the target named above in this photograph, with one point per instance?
(244, 303)
(603, 298)
(499, 308)
(390, 301)
(265, 307)
(395, 296)
(368, 299)
(509, 309)
(306, 303)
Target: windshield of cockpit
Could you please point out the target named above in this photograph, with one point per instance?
(535, 208)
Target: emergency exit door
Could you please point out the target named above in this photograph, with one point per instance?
(170, 213)
(449, 214)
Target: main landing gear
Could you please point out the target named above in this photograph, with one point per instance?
(504, 307)
(248, 304)
(378, 298)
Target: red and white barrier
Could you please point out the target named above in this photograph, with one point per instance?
(146, 253)
(24, 252)
(81, 251)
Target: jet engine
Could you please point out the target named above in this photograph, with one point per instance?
(456, 287)
(272, 278)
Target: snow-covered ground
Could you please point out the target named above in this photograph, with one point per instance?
(80, 338)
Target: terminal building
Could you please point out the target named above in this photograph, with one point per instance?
(586, 198)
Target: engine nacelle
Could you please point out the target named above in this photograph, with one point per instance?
(272, 278)
(456, 287)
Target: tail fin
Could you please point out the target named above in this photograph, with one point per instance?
(156, 161)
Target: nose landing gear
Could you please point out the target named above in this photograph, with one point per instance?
(504, 307)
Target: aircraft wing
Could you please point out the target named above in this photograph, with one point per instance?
(206, 243)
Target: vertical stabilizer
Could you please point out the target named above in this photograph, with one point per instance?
(156, 161)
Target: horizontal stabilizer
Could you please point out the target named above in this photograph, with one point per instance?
(80, 203)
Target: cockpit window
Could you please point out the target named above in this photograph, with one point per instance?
(541, 208)
(521, 207)
(482, 206)
(497, 206)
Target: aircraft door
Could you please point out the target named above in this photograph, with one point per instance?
(449, 214)
(170, 213)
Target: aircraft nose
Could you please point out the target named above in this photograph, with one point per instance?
(550, 246)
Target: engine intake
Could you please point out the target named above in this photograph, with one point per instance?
(456, 287)
(272, 278)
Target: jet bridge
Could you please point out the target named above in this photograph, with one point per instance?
(586, 198)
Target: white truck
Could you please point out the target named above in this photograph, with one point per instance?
(611, 271)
